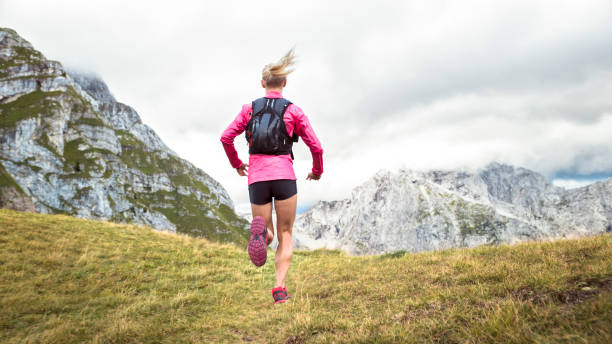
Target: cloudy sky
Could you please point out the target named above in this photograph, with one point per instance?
(386, 84)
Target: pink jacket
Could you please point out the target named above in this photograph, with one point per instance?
(264, 167)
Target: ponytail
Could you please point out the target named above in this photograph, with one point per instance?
(275, 74)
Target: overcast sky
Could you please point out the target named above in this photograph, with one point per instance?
(386, 84)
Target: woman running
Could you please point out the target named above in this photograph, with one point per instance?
(272, 124)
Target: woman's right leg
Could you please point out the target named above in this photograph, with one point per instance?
(265, 211)
(285, 216)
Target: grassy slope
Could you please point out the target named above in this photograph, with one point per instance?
(69, 280)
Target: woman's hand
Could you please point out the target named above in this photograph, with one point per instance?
(312, 176)
(242, 170)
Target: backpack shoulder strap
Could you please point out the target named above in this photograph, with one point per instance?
(258, 105)
(281, 105)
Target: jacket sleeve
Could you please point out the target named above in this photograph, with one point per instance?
(303, 128)
(234, 129)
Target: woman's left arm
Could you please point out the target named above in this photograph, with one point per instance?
(306, 132)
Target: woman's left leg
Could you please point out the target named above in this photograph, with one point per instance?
(265, 211)
(285, 216)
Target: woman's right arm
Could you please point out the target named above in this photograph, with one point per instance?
(234, 129)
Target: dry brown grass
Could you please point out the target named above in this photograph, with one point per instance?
(66, 280)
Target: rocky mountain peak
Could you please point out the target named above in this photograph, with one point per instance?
(428, 210)
(14, 47)
(67, 146)
(93, 85)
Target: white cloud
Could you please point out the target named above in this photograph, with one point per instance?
(573, 183)
(386, 84)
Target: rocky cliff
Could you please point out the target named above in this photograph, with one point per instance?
(67, 146)
(418, 211)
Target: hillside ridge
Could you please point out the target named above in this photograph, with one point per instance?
(69, 280)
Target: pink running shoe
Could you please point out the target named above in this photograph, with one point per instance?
(280, 295)
(258, 243)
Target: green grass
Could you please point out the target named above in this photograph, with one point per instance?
(27, 106)
(76, 162)
(136, 155)
(66, 280)
(6, 180)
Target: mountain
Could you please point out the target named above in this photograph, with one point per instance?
(67, 146)
(419, 211)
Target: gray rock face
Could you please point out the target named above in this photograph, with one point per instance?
(13, 198)
(94, 86)
(67, 146)
(420, 211)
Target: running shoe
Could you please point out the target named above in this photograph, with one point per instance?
(258, 243)
(280, 295)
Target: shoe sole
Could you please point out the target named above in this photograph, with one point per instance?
(257, 243)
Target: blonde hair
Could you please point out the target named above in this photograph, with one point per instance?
(275, 74)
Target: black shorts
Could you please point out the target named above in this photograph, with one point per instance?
(262, 192)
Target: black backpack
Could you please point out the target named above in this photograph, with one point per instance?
(266, 132)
